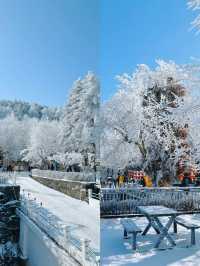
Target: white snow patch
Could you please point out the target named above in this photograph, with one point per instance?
(115, 251)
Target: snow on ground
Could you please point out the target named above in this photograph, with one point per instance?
(116, 251)
(83, 218)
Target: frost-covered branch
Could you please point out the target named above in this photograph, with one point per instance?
(195, 6)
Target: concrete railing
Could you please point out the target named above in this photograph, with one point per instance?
(73, 188)
(69, 176)
(37, 248)
(11, 177)
(93, 199)
(59, 232)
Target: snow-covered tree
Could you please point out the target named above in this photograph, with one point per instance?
(121, 118)
(43, 142)
(14, 135)
(39, 134)
(80, 121)
(146, 117)
(71, 161)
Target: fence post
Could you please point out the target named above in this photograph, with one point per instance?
(15, 178)
(66, 232)
(84, 248)
(89, 193)
(24, 243)
(89, 196)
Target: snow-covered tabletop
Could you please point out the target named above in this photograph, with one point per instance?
(157, 210)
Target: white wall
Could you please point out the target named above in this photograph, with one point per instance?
(39, 248)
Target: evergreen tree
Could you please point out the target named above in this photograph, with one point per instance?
(79, 132)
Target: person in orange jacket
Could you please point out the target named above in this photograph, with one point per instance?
(181, 177)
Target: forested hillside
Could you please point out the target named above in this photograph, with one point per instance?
(23, 110)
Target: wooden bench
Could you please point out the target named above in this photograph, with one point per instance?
(131, 228)
(187, 224)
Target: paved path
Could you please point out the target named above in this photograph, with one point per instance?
(83, 218)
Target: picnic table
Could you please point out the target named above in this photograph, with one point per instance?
(153, 214)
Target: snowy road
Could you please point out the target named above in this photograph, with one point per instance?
(83, 218)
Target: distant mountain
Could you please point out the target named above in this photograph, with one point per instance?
(23, 110)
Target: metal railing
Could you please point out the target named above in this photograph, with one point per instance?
(11, 177)
(125, 200)
(59, 232)
(95, 196)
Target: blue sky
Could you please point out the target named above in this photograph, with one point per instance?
(47, 44)
(140, 31)
(44, 46)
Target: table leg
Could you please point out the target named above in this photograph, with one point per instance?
(146, 229)
(193, 241)
(175, 227)
(150, 224)
(164, 231)
(125, 234)
(134, 241)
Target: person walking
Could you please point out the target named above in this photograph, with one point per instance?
(121, 180)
